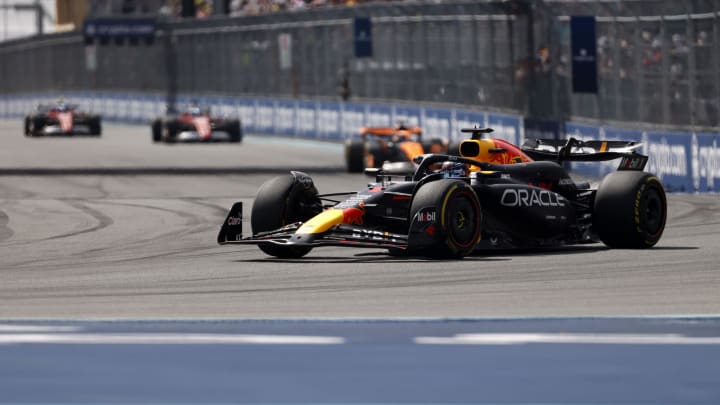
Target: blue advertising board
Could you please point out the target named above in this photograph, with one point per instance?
(670, 158)
(284, 117)
(507, 127)
(706, 162)
(584, 54)
(363, 37)
(407, 115)
(352, 117)
(328, 121)
(465, 119)
(119, 29)
(306, 119)
(435, 122)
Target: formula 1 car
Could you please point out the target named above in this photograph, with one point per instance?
(395, 144)
(452, 206)
(195, 124)
(61, 119)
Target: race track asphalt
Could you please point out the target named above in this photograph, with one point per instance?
(119, 227)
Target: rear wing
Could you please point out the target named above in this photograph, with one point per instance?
(390, 131)
(573, 150)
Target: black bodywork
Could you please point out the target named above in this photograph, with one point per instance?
(523, 205)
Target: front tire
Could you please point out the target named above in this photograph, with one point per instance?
(452, 210)
(281, 201)
(630, 210)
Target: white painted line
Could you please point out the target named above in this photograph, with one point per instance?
(525, 338)
(36, 328)
(165, 339)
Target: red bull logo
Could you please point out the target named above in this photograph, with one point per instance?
(353, 216)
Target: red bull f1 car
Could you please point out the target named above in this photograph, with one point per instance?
(61, 119)
(196, 124)
(494, 195)
(400, 144)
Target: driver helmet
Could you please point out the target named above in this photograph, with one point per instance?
(453, 169)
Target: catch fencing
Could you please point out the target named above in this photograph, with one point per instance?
(658, 60)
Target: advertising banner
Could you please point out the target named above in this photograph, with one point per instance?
(362, 37)
(306, 119)
(352, 117)
(584, 54)
(435, 123)
(465, 119)
(507, 127)
(328, 121)
(705, 162)
(284, 118)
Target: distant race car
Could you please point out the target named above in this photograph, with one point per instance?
(61, 119)
(196, 124)
(377, 145)
(495, 195)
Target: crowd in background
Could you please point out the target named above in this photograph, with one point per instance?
(207, 8)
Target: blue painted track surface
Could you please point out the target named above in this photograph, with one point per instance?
(645, 361)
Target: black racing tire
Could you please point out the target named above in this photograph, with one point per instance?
(95, 126)
(459, 217)
(157, 130)
(36, 126)
(171, 133)
(630, 210)
(26, 126)
(235, 131)
(355, 155)
(281, 201)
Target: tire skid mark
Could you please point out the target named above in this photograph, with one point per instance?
(192, 220)
(195, 224)
(103, 220)
(92, 184)
(220, 210)
(15, 193)
(5, 231)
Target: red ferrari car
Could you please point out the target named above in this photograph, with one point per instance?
(61, 119)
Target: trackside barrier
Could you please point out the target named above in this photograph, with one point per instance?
(685, 162)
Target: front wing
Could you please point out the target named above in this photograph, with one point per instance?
(339, 235)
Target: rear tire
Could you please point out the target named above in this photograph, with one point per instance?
(630, 210)
(281, 201)
(458, 218)
(235, 131)
(355, 155)
(157, 128)
(95, 126)
(26, 126)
